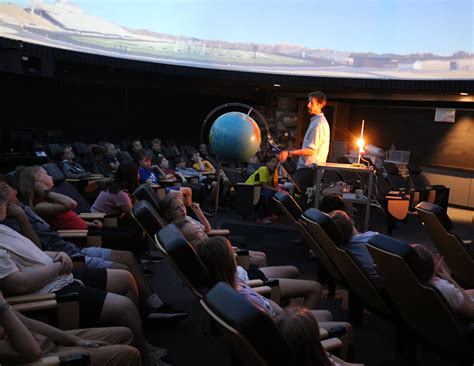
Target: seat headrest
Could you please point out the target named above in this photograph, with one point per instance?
(145, 192)
(55, 171)
(438, 211)
(289, 203)
(252, 323)
(391, 168)
(414, 168)
(184, 256)
(148, 217)
(326, 223)
(399, 248)
(80, 148)
(53, 151)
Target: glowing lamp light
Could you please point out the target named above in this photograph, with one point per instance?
(360, 142)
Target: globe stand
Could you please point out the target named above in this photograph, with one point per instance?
(203, 140)
(218, 186)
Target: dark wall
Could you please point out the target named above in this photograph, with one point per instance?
(33, 108)
(449, 145)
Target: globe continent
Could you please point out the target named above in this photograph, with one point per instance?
(235, 137)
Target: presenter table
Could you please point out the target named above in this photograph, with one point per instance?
(364, 200)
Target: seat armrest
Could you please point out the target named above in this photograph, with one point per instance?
(66, 234)
(13, 300)
(331, 344)
(222, 232)
(92, 215)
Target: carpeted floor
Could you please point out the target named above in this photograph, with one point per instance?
(194, 342)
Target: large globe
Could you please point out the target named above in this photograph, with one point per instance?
(234, 137)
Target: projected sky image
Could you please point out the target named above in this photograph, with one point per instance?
(389, 39)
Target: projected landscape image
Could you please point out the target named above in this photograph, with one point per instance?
(415, 40)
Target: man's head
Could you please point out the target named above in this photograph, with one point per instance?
(427, 270)
(156, 145)
(136, 146)
(331, 203)
(66, 153)
(110, 149)
(316, 102)
(344, 224)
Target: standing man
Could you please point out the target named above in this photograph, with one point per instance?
(315, 146)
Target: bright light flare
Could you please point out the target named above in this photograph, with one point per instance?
(360, 143)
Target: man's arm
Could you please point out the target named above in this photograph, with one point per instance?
(285, 154)
(30, 279)
(16, 212)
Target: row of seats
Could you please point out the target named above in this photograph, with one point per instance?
(404, 299)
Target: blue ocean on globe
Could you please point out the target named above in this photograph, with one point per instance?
(234, 137)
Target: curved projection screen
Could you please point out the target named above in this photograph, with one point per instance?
(386, 39)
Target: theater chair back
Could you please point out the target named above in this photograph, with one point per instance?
(325, 232)
(293, 211)
(421, 306)
(184, 259)
(438, 224)
(147, 193)
(147, 218)
(255, 338)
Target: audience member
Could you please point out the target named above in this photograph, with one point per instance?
(26, 340)
(434, 273)
(98, 164)
(147, 173)
(156, 148)
(300, 329)
(111, 156)
(116, 198)
(25, 221)
(135, 149)
(196, 233)
(267, 177)
(201, 165)
(218, 256)
(331, 203)
(356, 245)
(57, 209)
(70, 168)
(105, 296)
